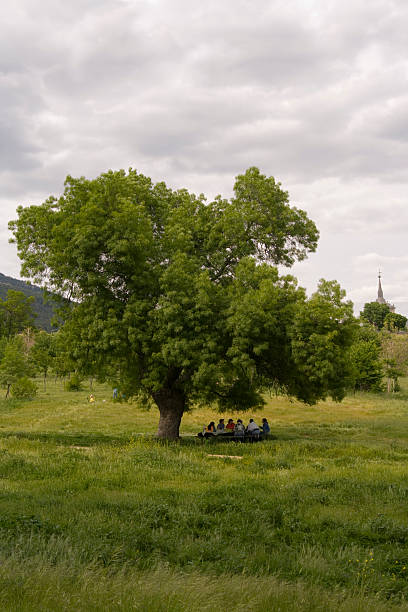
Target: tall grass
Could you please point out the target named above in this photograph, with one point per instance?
(94, 515)
(43, 587)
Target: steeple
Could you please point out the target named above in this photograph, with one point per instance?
(380, 296)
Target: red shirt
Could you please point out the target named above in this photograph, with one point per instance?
(230, 426)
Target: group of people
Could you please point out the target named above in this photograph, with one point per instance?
(237, 429)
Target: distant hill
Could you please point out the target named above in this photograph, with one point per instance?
(44, 311)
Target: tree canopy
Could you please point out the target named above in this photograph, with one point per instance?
(395, 357)
(394, 321)
(179, 299)
(375, 313)
(43, 352)
(366, 359)
(16, 313)
(15, 364)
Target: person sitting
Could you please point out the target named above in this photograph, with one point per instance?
(221, 426)
(265, 427)
(252, 428)
(230, 425)
(208, 432)
(239, 430)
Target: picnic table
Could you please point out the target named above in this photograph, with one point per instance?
(230, 436)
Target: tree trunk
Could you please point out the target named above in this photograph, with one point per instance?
(171, 404)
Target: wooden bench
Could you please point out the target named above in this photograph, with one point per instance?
(231, 437)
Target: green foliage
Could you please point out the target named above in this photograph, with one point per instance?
(15, 364)
(323, 331)
(177, 298)
(62, 362)
(276, 231)
(43, 305)
(395, 357)
(394, 321)
(16, 313)
(24, 388)
(366, 360)
(375, 313)
(74, 383)
(3, 344)
(43, 352)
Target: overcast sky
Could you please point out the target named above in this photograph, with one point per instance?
(314, 92)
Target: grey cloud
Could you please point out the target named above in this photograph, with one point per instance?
(193, 93)
(162, 76)
(392, 121)
(15, 152)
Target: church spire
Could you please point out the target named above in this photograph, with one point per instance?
(380, 296)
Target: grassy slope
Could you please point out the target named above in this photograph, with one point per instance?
(94, 516)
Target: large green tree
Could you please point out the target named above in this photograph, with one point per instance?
(179, 299)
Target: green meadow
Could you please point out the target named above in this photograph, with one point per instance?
(95, 514)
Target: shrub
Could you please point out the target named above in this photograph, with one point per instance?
(24, 388)
(74, 383)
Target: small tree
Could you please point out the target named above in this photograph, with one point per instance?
(63, 364)
(14, 365)
(394, 321)
(366, 361)
(323, 330)
(24, 388)
(74, 383)
(395, 357)
(42, 353)
(16, 313)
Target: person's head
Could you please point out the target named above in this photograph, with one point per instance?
(264, 420)
(221, 420)
(230, 421)
(239, 421)
(251, 420)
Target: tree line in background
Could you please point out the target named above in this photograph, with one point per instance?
(381, 317)
(26, 351)
(380, 349)
(42, 305)
(378, 354)
(180, 302)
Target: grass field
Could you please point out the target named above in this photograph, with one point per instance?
(97, 515)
